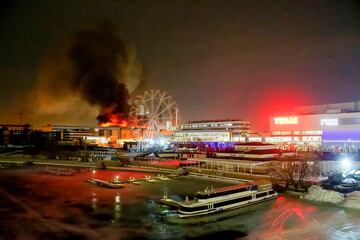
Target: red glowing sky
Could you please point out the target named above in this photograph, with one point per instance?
(278, 102)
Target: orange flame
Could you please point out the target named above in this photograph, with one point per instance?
(115, 121)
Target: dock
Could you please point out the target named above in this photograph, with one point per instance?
(59, 171)
(106, 184)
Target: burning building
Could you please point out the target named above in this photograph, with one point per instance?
(89, 71)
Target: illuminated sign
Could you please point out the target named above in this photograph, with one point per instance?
(329, 122)
(286, 120)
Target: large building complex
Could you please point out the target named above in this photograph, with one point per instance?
(213, 131)
(326, 127)
(113, 135)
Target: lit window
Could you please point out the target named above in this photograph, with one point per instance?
(285, 120)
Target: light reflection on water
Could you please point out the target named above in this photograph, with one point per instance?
(93, 201)
(290, 218)
(117, 209)
(132, 212)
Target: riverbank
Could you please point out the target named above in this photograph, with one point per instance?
(116, 166)
(111, 165)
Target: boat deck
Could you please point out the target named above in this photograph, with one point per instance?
(227, 188)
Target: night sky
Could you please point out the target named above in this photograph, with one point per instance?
(219, 59)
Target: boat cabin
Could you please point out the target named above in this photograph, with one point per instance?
(206, 194)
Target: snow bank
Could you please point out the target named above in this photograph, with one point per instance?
(349, 180)
(319, 194)
(352, 200)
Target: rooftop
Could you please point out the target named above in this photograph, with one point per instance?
(328, 108)
(218, 120)
(254, 144)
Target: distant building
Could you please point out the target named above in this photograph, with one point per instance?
(328, 127)
(15, 134)
(21, 135)
(94, 134)
(213, 131)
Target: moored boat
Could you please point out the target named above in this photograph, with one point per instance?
(102, 183)
(162, 178)
(149, 179)
(213, 204)
(133, 181)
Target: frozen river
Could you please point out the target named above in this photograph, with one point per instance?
(39, 206)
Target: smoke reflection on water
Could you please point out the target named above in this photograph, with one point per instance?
(132, 212)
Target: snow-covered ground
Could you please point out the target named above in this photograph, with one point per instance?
(317, 193)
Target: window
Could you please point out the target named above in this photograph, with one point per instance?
(229, 202)
(193, 209)
(252, 188)
(259, 195)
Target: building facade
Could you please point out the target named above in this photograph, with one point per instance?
(213, 131)
(11, 134)
(334, 127)
(114, 135)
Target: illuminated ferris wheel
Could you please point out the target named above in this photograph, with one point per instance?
(156, 112)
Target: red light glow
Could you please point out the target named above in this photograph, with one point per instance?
(278, 101)
(280, 198)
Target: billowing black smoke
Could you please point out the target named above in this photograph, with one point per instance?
(97, 57)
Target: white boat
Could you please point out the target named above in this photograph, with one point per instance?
(162, 178)
(112, 184)
(224, 200)
(149, 179)
(134, 181)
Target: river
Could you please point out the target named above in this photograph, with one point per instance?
(40, 206)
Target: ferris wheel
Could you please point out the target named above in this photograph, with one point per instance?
(156, 112)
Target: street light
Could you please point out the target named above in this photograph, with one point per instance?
(346, 164)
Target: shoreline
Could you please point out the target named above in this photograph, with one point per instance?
(110, 166)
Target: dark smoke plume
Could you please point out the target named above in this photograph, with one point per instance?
(97, 57)
(93, 66)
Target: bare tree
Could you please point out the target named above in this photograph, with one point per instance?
(296, 171)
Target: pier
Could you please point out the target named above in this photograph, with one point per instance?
(105, 183)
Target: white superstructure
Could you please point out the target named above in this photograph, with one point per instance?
(212, 201)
